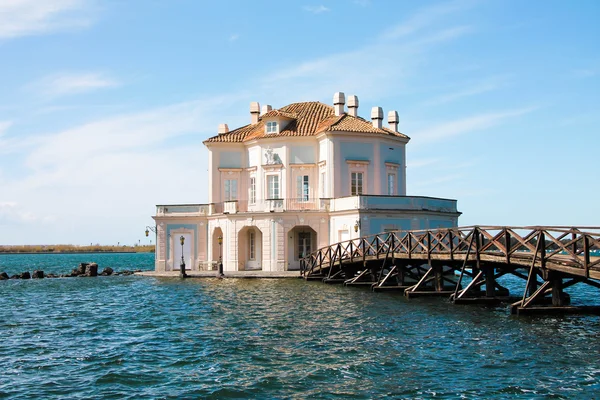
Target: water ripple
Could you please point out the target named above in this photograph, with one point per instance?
(132, 337)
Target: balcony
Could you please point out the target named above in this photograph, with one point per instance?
(363, 202)
(172, 210)
(270, 205)
(396, 203)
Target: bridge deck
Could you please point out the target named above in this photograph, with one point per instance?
(554, 254)
(559, 263)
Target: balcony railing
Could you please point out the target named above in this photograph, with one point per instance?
(408, 203)
(183, 209)
(362, 202)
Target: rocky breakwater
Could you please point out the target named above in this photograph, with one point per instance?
(83, 270)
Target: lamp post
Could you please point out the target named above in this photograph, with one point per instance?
(182, 265)
(150, 228)
(220, 239)
(357, 225)
(147, 232)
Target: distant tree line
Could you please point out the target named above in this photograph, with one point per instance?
(69, 248)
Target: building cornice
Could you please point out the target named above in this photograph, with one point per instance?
(361, 162)
(272, 167)
(231, 169)
(388, 138)
(310, 165)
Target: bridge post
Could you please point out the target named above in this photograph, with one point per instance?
(558, 296)
(490, 281)
(439, 275)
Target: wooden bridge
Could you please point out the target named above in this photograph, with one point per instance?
(465, 263)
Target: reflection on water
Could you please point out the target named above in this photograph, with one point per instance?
(133, 337)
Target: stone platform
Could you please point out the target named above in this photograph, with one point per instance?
(227, 274)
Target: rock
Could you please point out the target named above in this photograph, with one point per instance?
(15, 277)
(25, 275)
(126, 272)
(107, 271)
(3, 276)
(38, 274)
(91, 269)
(82, 268)
(52, 276)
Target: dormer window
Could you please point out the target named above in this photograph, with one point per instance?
(272, 127)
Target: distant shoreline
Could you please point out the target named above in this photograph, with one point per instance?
(74, 249)
(75, 252)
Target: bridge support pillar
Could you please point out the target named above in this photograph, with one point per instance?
(438, 271)
(558, 296)
(490, 281)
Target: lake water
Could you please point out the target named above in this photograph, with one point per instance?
(140, 337)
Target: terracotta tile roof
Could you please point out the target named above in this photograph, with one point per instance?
(307, 119)
(348, 123)
(279, 113)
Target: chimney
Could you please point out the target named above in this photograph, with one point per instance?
(393, 120)
(254, 112)
(353, 105)
(265, 109)
(223, 128)
(377, 117)
(338, 103)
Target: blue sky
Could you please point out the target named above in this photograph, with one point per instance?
(105, 104)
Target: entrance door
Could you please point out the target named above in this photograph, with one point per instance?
(187, 253)
(304, 247)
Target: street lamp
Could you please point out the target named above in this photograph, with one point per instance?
(182, 265)
(220, 240)
(147, 232)
(357, 225)
(150, 228)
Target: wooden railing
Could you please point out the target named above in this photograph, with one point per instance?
(574, 250)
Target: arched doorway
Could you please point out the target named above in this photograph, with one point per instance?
(217, 249)
(181, 253)
(249, 249)
(302, 240)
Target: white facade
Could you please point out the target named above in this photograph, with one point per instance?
(294, 180)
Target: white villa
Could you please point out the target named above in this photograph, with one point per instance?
(293, 180)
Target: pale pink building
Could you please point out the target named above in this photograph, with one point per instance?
(293, 180)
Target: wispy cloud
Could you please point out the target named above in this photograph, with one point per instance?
(233, 37)
(355, 72)
(316, 9)
(34, 17)
(463, 126)
(480, 88)
(424, 183)
(4, 125)
(423, 162)
(443, 35)
(12, 212)
(585, 72)
(124, 154)
(71, 83)
(425, 18)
